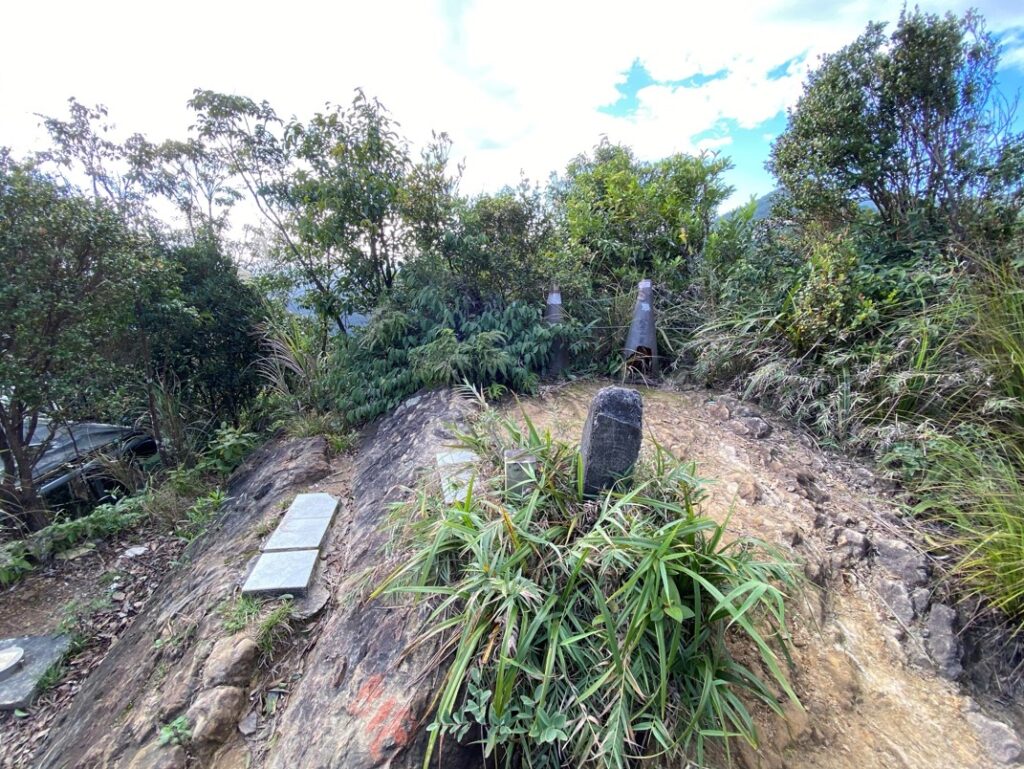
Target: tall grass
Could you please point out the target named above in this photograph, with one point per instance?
(593, 632)
(974, 480)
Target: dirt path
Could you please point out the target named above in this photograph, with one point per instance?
(871, 698)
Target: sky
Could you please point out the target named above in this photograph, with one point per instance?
(521, 86)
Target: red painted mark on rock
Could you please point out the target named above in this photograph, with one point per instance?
(390, 723)
(390, 728)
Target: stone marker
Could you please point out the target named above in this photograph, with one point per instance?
(611, 437)
(278, 573)
(10, 661)
(641, 349)
(297, 534)
(319, 505)
(22, 672)
(520, 473)
(456, 469)
(553, 316)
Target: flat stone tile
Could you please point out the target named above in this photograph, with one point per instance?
(318, 505)
(456, 486)
(281, 572)
(456, 470)
(456, 457)
(298, 534)
(40, 652)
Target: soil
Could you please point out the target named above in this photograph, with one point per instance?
(99, 591)
(871, 697)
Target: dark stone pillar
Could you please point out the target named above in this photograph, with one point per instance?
(611, 438)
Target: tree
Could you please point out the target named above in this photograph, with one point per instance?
(502, 247)
(70, 270)
(910, 124)
(633, 218)
(342, 192)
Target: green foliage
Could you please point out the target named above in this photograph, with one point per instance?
(631, 219)
(911, 125)
(177, 732)
(503, 248)
(199, 516)
(68, 265)
(17, 556)
(240, 613)
(274, 627)
(198, 322)
(592, 633)
(431, 342)
(227, 448)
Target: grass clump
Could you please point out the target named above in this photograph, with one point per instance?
(177, 732)
(593, 632)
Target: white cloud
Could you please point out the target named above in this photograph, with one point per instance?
(517, 85)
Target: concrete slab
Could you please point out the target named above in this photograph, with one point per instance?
(457, 457)
(318, 505)
(297, 534)
(39, 653)
(281, 572)
(456, 469)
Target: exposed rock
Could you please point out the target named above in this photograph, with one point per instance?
(921, 598)
(360, 684)
(312, 603)
(611, 437)
(249, 724)
(897, 598)
(156, 756)
(942, 643)
(231, 661)
(998, 739)
(719, 411)
(745, 487)
(751, 427)
(851, 546)
(902, 561)
(174, 632)
(817, 571)
(214, 715)
(808, 488)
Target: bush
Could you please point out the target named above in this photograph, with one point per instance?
(430, 341)
(593, 632)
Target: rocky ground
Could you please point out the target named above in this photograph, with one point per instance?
(878, 650)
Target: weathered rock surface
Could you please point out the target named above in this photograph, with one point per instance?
(750, 427)
(214, 715)
(902, 561)
(897, 598)
(942, 643)
(231, 661)
(111, 721)
(998, 739)
(357, 687)
(611, 437)
(156, 756)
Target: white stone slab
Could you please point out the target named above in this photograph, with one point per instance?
(38, 653)
(456, 469)
(297, 534)
(281, 572)
(456, 457)
(318, 505)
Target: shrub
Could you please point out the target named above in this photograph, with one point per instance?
(593, 632)
(429, 341)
